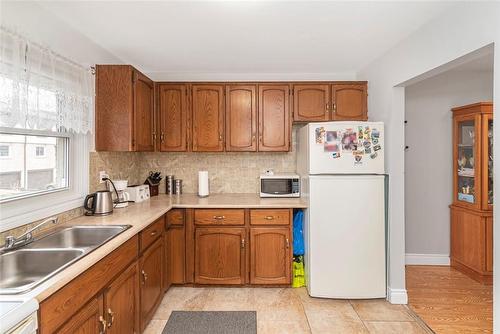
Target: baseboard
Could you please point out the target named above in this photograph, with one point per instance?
(428, 259)
(397, 296)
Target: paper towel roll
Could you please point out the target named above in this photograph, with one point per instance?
(203, 188)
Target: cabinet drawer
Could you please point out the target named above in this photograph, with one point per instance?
(219, 217)
(175, 217)
(151, 233)
(270, 217)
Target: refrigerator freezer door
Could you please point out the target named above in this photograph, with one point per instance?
(345, 237)
(345, 148)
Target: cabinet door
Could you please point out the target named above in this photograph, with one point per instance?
(143, 113)
(311, 103)
(175, 255)
(467, 161)
(173, 117)
(220, 256)
(468, 244)
(349, 102)
(487, 161)
(89, 320)
(270, 255)
(121, 303)
(151, 281)
(274, 118)
(208, 118)
(114, 121)
(241, 118)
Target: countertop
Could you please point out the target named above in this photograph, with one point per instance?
(139, 216)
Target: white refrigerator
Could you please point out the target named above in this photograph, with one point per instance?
(341, 165)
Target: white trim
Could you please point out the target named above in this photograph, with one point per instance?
(428, 259)
(397, 296)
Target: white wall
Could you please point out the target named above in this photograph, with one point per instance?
(462, 29)
(32, 20)
(428, 160)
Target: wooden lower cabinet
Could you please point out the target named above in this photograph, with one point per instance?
(112, 311)
(175, 256)
(151, 291)
(121, 303)
(89, 320)
(270, 255)
(472, 243)
(220, 255)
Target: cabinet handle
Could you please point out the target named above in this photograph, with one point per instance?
(162, 137)
(269, 217)
(153, 135)
(334, 109)
(327, 106)
(287, 243)
(111, 317)
(144, 277)
(220, 137)
(243, 243)
(219, 217)
(153, 233)
(103, 324)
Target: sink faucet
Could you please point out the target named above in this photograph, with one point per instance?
(12, 242)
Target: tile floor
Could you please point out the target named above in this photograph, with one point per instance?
(287, 310)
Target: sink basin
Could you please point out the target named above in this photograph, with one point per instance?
(26, 267)
(78, 237)
(22, 268)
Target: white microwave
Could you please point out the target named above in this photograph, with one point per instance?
(280, 185)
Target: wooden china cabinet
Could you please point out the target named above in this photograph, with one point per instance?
(472, 206)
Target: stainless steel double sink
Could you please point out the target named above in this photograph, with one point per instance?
(25, 268)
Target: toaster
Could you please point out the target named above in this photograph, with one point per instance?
(138, 193)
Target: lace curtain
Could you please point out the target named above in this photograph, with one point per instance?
(41, 90)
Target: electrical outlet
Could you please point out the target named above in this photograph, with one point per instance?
(102, 175)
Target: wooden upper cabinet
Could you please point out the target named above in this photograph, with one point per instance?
(241, 118)
(274, 118)
(124, 109)
(219, 255)
(208, 118)
(173, 117)
(145, 134)
(88, 320)
(121, 303)
(349, 102)
(311, 102)
(270, 255)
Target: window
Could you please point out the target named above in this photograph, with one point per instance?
(39, 168)
(4, 151)
(40, 151)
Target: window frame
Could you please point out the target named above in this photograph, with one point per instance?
(43, 150)
(19, 211)
(8, 153)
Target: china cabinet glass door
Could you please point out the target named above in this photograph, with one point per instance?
(487, 162)
(466, 161)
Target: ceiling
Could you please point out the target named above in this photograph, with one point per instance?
(169, 39)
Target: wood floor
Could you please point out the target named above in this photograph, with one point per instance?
(448, 301)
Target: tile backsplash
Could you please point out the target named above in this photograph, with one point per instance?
(229, 172)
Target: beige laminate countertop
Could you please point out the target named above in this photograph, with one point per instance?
(139, 216)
